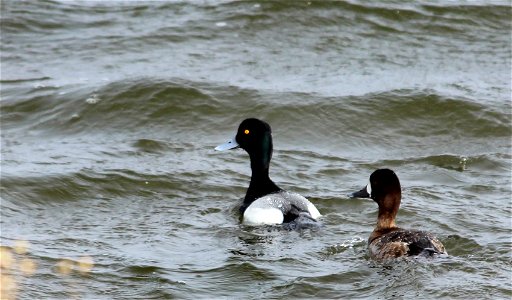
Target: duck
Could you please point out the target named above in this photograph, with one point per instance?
(387, 241)
(265, 203)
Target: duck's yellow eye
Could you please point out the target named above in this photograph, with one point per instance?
(246, 131)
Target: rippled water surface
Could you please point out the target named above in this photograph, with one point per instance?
(111, 189)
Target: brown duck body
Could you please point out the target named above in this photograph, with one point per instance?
(387, 240)
(396, 242)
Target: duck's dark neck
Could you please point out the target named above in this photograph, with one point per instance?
(261, 184)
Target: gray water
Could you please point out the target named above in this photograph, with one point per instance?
(111, 189)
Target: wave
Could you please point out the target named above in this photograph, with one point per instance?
(63, 15)
(480, 163)
(142, 104)
(84, 184)
(128, 104)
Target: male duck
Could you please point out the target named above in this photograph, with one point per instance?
(265, 203)
(387, 240)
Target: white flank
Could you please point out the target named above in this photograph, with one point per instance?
(313, 211)
(263, 216)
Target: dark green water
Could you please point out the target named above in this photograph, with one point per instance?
(110, 112)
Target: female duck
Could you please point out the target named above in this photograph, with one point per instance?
(265, 202)
(387, 240)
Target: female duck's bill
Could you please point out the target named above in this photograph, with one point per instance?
(265, 202)
(363, 193)
(387, 240)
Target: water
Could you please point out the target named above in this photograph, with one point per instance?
(110, 111)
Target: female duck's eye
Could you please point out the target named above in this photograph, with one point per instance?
(246, 131)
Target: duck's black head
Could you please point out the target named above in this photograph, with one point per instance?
(255, 137)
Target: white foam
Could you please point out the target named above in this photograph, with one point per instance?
(93, 99)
